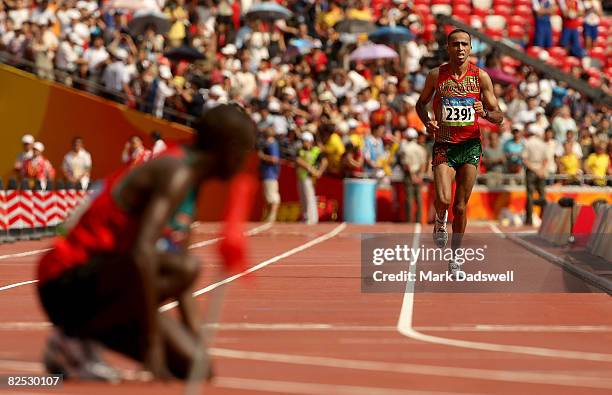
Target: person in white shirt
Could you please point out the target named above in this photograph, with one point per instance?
(68, 53)
(562, 123)
(413, 158)
(77, 164)
(165, 89)
(535, 161)
(28, 143)
(96, 56)
(115, 76)
(159, 145)
(528, 115)
(19, 14)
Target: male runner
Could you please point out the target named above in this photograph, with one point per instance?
(463, 93)
(127, 254)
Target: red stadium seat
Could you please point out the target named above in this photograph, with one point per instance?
(524, 11)
(516, 20)
(526, 3)
(599, 54)
(465, 18)
(482, 12)
(502, 10)
(557, 52)
(449, 2)
(606, 22)
(419, 2)
(609, 72)
(572, 61)
(496, 34)
(506, 3)
(462, 9)
(534, 51)
(463, 2)
(516, 32)
(422, 9)
(595, 82)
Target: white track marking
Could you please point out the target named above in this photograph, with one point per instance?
(560, 379)
(294, 387)
(24, 254)
(200, 244)
(325, 327)
(497, 231)
(404, 326)
(17, 285)
(263, 264)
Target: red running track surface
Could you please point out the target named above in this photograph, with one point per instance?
(301, 325)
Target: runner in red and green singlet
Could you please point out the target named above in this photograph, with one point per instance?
(462, 93)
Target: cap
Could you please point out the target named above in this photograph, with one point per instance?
(289, 91)
(38, 146)
(517, 126)
(27, 139)
(307, 136)
(411, 133)
(122, 54)
(409, 100)
(164, 72)
(274, 106)
(229, 49)
(352, 123)
(535, 129)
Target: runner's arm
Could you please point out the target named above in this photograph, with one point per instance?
(428, 91)
(490, 110)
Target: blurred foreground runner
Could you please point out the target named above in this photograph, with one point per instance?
(104, 281)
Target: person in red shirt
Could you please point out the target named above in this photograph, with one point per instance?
(128, 253)
(134, 152)
(38, 168)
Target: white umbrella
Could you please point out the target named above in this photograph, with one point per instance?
(135, 5)
(373, 51)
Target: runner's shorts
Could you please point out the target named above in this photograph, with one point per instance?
(456, 155)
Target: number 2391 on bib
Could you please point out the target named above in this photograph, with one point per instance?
(458, 111)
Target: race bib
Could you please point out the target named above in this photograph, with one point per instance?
(458, 111)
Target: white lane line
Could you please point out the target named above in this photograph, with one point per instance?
(15, 285)
(24, 254)
(497, 231)
(324, 327)
(294, 387)
(263, 264)
(405, 327)
(560, 379)
(251, 232)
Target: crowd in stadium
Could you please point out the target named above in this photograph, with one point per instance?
(295, 77)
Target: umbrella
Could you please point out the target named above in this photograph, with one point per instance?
(143, 19)
(500, 76)
(132, 5)
(184, 53)
(354, 26)
(268, 10)
(373, 51)
(392, 34)
(303, 46)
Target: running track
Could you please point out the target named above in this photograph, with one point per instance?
(300, 325)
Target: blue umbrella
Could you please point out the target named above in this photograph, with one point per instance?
(268, 10)
(303, 46)
(392, 34)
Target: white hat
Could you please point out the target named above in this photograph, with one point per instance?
(409, 100)
(274, 106)
(217, 90)
(535, 129)
(289, 91)
(518, 126)
(392, 80)
(307, 136)
(27, 139)
(122, 54)
(229, 49)
(164, 72)
(38, 146)
(327, 96)
(411, 133)
(343, 127)
(352, 123)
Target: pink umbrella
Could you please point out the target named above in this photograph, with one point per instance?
(373, 51)
(134, 5)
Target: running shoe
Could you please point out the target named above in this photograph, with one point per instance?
(440, 234)
(454, 268)
(76, 359)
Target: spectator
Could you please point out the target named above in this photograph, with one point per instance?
(563, 122)
(551, 153)
(164, 88)
(353, 161)
(307, 171)
(374, 150)
(597, 165)
(413, 159)
(134, 152)
(116, 76)
(77, 164)
(513, 149)
(535, 160)
(494, 161)
(159, 145)
(95, 56)
(28, 141)
(38, 168)
(569, 165)
(412, 118)
(592, 16)
(529, 114)
(269, 169)
(570, 138)
(572, 11)
(333, 148)
(543, 30)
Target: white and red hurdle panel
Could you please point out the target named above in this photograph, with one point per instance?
(30, 214)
